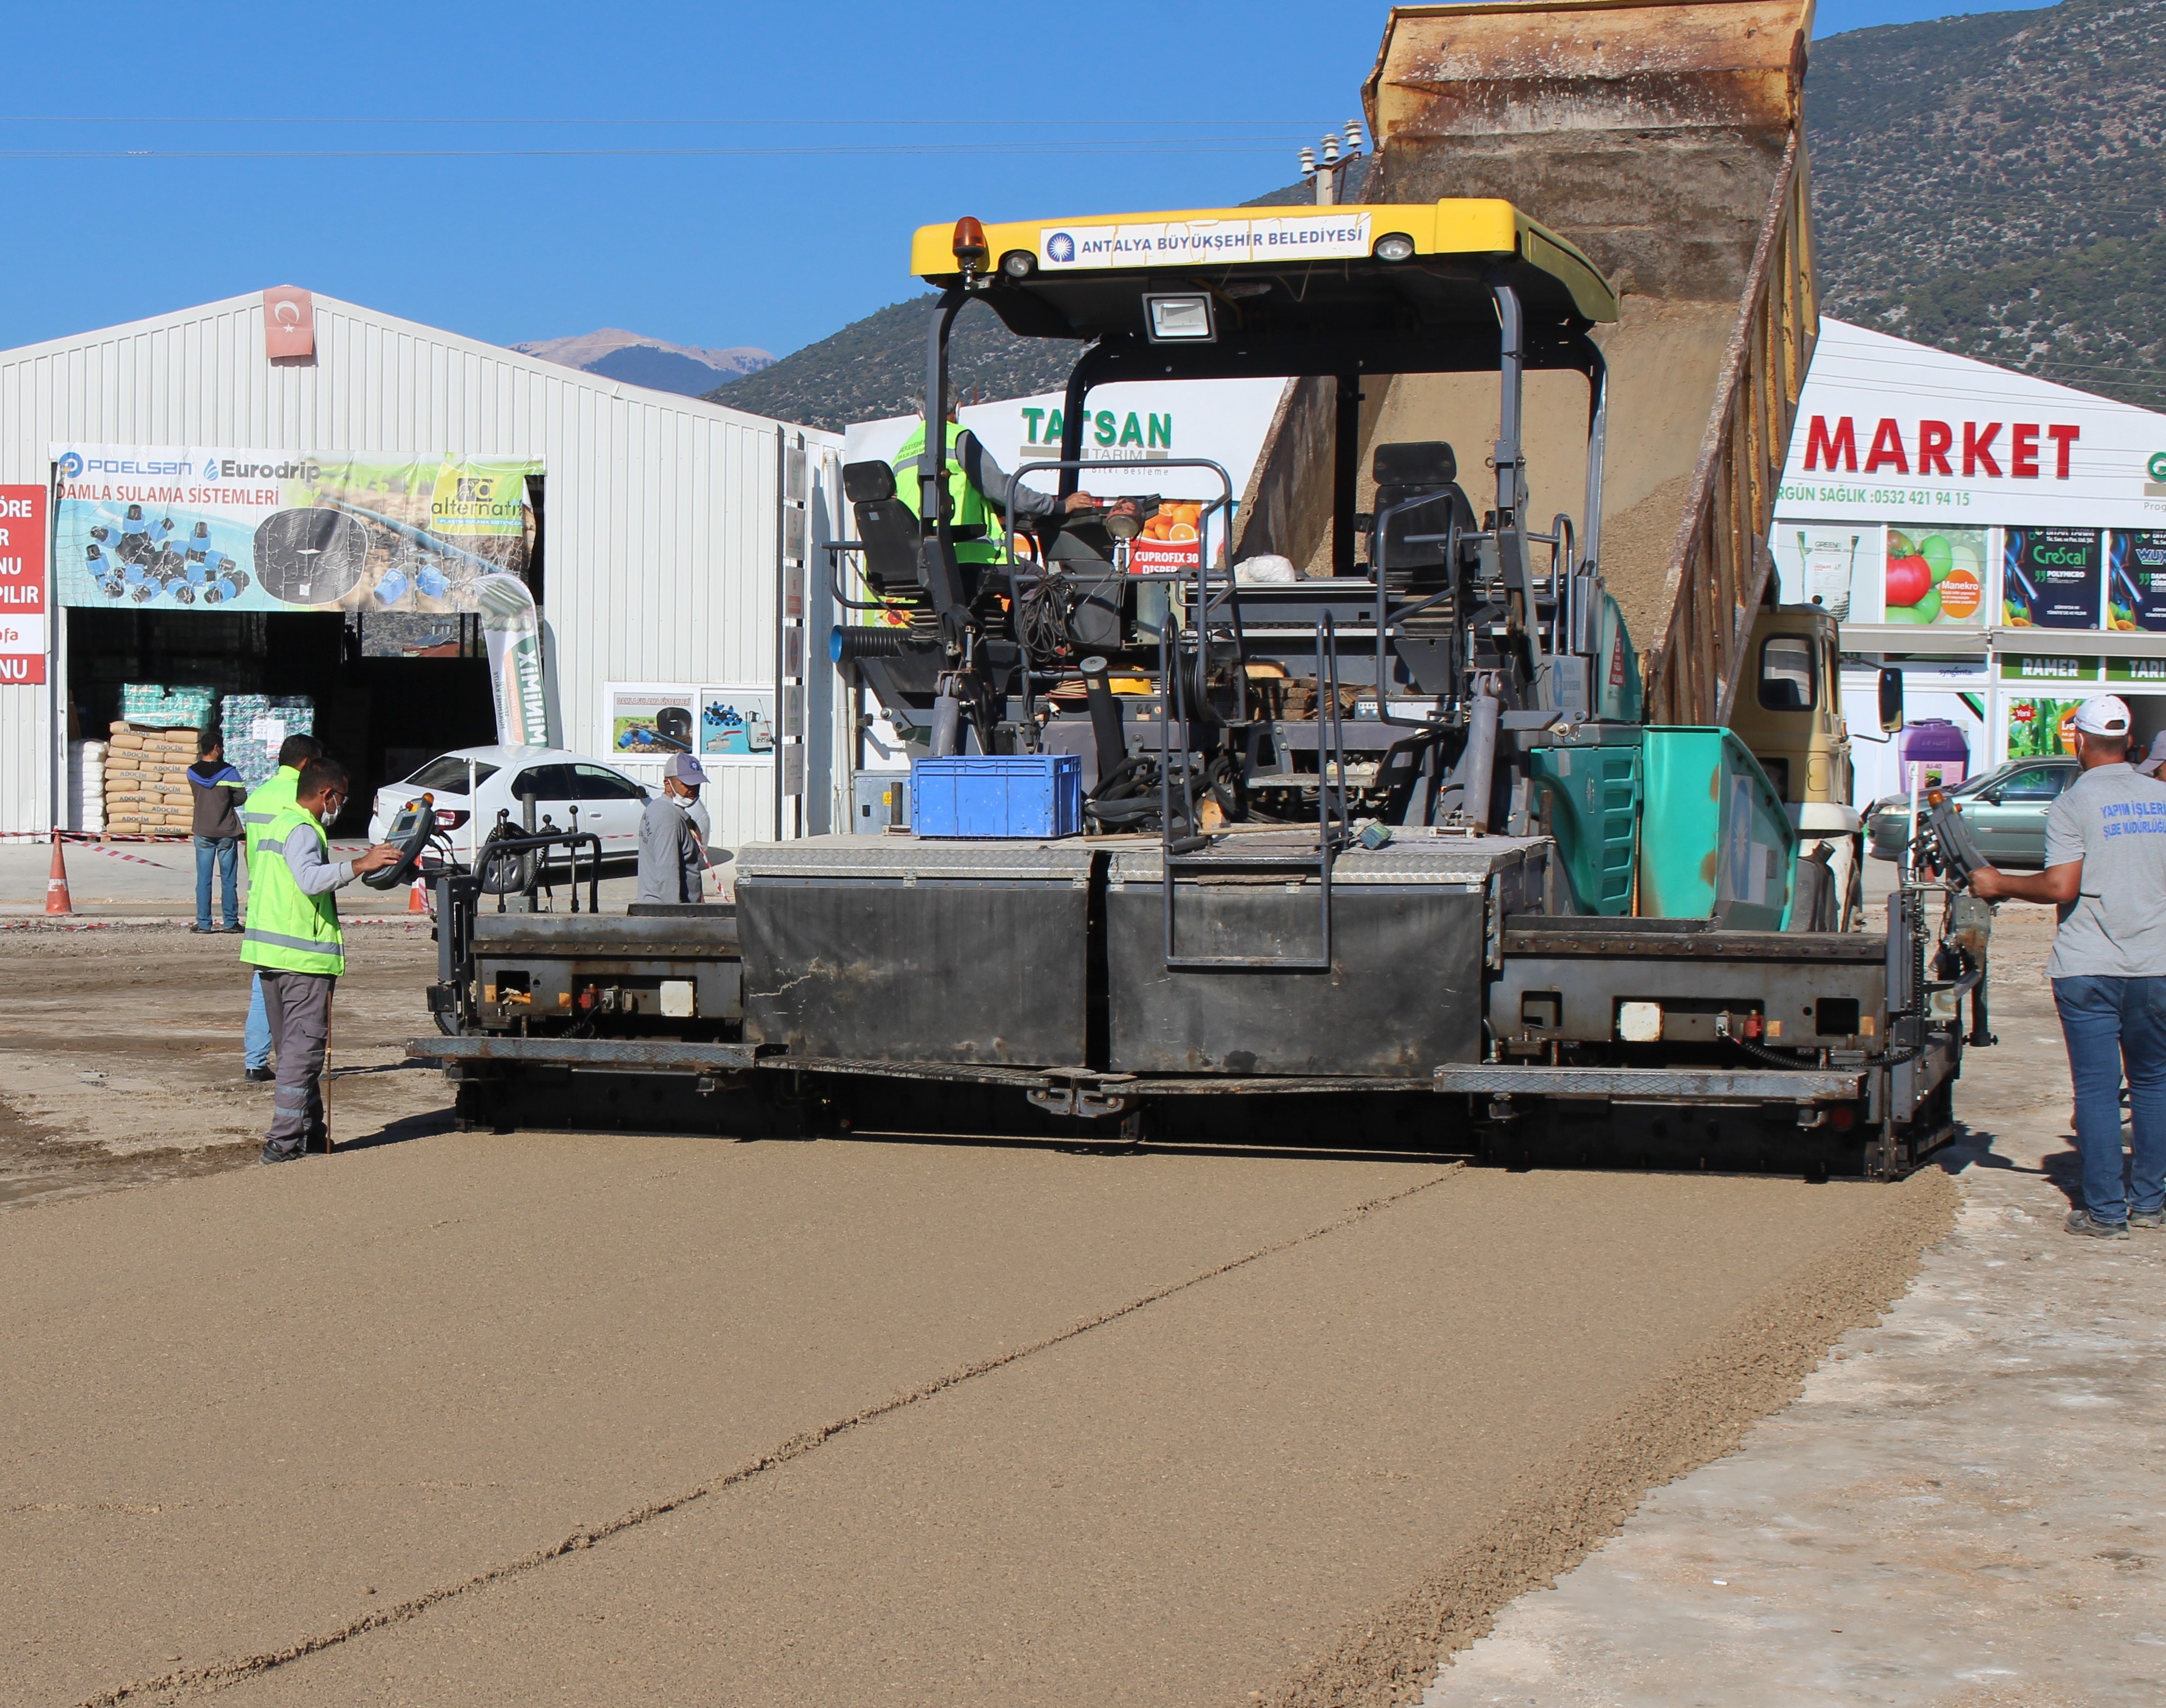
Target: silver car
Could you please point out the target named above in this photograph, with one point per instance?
(2005, 809)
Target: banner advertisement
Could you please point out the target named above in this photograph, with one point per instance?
(2039, 728)
(2135, 580)
(260, 530)
(736, 723)
(1128, 427)
(24, 632)
(1339, 234)
(724, 723)
(2049, 577)
(650, 720)
(1892, 432)
(1836, 565)
(2019, 667)
(1936, 577)
(2134, 672)
(512, 629)
(1171, 542)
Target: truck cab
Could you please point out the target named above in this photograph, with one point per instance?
(1789, 713)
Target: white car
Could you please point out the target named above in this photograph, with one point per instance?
(608, 803)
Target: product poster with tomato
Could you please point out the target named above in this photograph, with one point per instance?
(1833, 565)
(2037, 729)
(2135, 580)
(1936, 577)
(2050, 578)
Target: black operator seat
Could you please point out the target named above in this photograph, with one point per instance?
(1412, 469)
(887, 526)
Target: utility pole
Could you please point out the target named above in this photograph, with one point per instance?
(1326, 171)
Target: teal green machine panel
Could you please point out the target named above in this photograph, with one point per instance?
(1588, 791)
(1712, 832)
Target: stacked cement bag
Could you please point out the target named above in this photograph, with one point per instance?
(256, 726)
(147, 781)
(87, 786)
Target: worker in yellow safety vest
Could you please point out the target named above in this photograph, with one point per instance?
(980, 492)
(293, 941)
(265, 803)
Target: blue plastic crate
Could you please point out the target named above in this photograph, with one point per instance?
(1024, 794)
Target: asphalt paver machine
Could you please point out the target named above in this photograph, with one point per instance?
(1384, 854)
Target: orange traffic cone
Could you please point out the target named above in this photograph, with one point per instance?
(417, 898)
(56, 889)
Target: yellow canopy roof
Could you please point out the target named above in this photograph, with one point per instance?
(1235, 240)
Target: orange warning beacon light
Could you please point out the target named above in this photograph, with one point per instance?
(969, 245)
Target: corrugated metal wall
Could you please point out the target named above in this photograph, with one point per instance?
(661, 515)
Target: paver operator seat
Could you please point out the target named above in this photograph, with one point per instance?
(1412, 544)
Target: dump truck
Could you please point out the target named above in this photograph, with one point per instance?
(1347, 812)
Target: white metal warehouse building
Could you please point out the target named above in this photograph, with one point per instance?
(664, 556)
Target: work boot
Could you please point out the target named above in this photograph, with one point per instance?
(259, 1076)
(273, 1153)
(2082, 1221)
(2149, 1219)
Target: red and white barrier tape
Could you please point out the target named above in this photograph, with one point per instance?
(94, 835)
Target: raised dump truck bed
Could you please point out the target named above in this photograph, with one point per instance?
(1667, 141)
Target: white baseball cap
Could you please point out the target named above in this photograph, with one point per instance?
(2107, 715)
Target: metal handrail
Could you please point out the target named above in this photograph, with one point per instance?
(1224, 502)
(503, 849)
(832, 548)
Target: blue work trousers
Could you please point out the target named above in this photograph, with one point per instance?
(2117, 1026)
(255, 1036)
(221, 852)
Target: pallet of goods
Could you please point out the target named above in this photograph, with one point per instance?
(147, 705)
(256, 726)
(87, 786)
(147, 781)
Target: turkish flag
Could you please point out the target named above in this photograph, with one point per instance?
(289, 322)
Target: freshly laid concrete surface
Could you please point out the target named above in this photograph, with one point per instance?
(450, 1418)
(1967, 1505)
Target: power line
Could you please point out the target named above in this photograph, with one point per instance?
(1159, 146)
(109, 119)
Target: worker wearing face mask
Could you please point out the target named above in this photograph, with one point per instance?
(293, 941)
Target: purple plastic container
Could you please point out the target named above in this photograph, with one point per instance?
(1935, 752)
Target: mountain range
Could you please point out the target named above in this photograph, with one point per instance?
(639, 360)
(1992, 185)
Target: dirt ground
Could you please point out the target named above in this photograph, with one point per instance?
(120, 1056)
(475, 1418)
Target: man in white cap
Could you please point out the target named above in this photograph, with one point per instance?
(671, 851)
(2105, 871)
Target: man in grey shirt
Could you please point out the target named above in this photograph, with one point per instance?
(672, 852)
(2105, 871)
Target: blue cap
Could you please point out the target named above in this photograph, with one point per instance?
(685, 768)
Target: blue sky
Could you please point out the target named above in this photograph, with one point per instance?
(714, 175)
